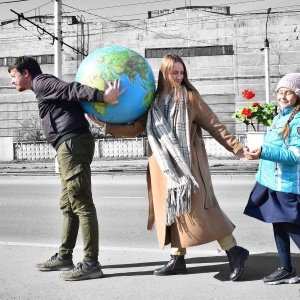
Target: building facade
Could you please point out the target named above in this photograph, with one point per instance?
(223, 54)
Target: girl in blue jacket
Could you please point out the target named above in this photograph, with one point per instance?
(275, 196)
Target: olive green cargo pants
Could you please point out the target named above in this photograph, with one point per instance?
(74, 157)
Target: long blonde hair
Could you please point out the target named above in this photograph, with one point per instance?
(286, 128)
(166, 83)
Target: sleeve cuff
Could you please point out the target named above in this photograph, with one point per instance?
(99, 96)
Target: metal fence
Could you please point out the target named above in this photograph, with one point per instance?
(112, 148)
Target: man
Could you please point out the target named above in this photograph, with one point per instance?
(67, 129)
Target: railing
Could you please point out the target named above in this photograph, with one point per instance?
(114, 148)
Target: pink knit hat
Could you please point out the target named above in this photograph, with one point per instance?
(290, 81)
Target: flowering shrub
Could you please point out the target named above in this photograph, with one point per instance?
(261, 113)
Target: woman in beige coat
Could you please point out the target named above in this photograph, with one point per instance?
(182, 202)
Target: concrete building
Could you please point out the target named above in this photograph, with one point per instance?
(222, 52)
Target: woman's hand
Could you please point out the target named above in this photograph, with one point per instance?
(241, 154)
(97, 121)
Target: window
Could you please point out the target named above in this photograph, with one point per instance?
(41, 59)
(190, 51)
(44, 59)
(8, 60)
(50, 59)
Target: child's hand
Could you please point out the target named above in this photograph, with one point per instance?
(253, 154)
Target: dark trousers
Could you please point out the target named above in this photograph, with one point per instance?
(282, 233)
(74, 158)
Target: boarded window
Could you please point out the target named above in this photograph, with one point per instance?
(190, 51)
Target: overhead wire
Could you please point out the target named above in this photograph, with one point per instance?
(164, 36)
(34, 9)
(12, 1)
(280, 59)
(213, 18)
(167, 37)
(122, 24)
(118, 6)
(75, 32)
(129, 25)
(190, 23)
(260, 11)
(38, 7)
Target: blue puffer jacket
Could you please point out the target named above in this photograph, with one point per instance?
(279, 167)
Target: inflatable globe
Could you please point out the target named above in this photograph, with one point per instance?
(110, 63)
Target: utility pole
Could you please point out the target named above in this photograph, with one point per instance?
(57, 39)
(267, 65)
(57, 50)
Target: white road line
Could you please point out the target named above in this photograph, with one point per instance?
(121, 249)
(103, 197)
(213, 252)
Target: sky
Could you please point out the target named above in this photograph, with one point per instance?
(91, 10)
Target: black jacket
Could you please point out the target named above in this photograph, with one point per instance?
(59, 108)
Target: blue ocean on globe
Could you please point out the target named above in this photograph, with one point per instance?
(115, 62)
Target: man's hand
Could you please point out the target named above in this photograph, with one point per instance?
(112, 93)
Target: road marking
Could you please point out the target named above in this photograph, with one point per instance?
(103, 197)
(21, 244)
(214, 252)
(121, 249)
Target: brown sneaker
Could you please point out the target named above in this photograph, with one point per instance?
(82, 271)
(56, 264)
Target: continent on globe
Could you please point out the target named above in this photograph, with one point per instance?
(115, 62)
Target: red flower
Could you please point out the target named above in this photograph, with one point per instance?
(248, 94)
(246, 112)
(254, 112)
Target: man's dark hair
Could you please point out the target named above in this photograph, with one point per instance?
(28, 63)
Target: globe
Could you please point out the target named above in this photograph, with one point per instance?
(110, 63)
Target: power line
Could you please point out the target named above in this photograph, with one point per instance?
(136, 27)
(226, 4)
(280, 59)
(124, 5)
(171, 36)
(168, 36)
(38, 7)
(21, 16)
(8, 2)
(172, 23)
(77, 36)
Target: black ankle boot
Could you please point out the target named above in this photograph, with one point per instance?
(237, 257)
(176, 265)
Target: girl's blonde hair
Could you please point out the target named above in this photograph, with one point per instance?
(166, 83)
(286, 128)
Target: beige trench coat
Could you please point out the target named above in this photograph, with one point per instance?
(206, 222)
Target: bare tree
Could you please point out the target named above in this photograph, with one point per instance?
(31, 129)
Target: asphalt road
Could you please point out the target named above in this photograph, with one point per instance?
(30, 224)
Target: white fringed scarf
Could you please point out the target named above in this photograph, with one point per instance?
(169, 138)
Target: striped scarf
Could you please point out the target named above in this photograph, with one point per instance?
(169, 139)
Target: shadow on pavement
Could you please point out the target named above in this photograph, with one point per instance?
(257, 266)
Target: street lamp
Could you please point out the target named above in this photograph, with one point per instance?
(267, 66)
